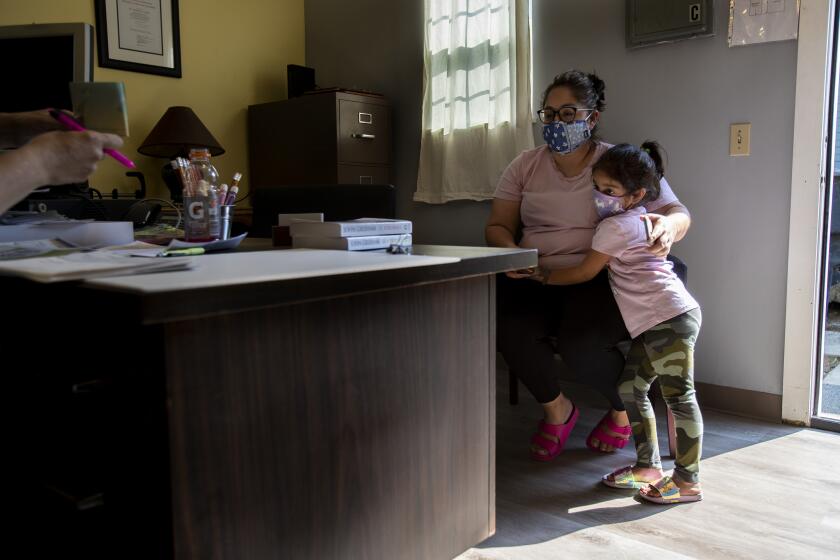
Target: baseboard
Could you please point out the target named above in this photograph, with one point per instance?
(743, 402)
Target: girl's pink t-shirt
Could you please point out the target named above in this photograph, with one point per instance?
(646, 289)
(558, 212)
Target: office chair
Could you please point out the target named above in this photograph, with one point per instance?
(337, 202)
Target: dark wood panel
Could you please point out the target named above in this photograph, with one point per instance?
(89, 450)
(349, 428)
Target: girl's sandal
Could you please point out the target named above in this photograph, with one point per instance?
(560, 431)
(667, 493)
(623, 478)
(600, 433)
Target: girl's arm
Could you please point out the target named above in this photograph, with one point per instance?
(585, 271)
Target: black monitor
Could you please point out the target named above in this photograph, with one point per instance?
(38, 62)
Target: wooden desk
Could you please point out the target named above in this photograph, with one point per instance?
(339, 416)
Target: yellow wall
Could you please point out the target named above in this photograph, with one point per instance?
(233, 54)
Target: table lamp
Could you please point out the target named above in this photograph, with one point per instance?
(178, 131)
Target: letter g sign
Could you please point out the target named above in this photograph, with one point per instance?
(196, 210)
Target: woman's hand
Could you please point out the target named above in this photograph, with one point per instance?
(523, 273)
(663, 234)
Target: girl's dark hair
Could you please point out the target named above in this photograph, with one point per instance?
(634, 167)
(588, 89)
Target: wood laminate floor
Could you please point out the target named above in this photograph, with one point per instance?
(770, 491)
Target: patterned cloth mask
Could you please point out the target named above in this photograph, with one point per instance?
(607, 205)
(565, 138)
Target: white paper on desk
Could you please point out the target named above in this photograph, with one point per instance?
(80, 234)
(218, 245)
(36, 218)
(26, 249)
(136, 249)
(80, 266)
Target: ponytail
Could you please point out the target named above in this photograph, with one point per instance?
(598, 86)
(654, 150)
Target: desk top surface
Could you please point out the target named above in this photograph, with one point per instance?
(239, 269)
(256, 277)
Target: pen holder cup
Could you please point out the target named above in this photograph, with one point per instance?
(225, 221)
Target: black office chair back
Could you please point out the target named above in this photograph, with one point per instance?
(336, 202)
(680, 268)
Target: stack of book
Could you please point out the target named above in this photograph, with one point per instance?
(353, 235)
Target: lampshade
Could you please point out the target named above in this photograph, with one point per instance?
(177, 131)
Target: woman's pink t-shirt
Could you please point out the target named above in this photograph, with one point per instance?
(645, 286)
(558, 212)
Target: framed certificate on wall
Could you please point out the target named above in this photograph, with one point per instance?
(139, 36)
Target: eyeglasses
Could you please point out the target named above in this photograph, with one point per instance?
(566, 113)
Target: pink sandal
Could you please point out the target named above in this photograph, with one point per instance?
(560, 431)
(600, 433)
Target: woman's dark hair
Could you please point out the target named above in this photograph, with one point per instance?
(587, 88)
(634, 167)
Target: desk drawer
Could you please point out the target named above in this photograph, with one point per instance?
(363, 175)
(364, 132)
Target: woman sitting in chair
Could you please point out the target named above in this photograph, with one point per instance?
(547, 192)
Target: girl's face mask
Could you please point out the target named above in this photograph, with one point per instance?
(565, 138)
(606, 205)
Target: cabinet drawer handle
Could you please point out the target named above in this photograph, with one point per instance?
(91, 386)
(363, 136)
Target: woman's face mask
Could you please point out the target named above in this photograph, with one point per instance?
(607, 205)
(565, 138)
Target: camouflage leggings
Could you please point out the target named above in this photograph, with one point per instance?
(665, 351)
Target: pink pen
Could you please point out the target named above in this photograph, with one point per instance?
(72, 124)
(234, 189)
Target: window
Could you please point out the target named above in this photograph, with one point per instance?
(476, 98)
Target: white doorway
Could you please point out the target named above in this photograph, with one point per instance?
(812, 324)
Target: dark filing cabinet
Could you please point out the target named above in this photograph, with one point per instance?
(335, 137)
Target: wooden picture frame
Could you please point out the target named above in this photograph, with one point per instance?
(139, 36)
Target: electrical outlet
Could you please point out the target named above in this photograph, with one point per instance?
(739, 139)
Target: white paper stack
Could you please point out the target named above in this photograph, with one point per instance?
(79, 233)
(80, 266)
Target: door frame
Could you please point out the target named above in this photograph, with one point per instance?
(808, 187)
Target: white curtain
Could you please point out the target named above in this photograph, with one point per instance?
(476, 96)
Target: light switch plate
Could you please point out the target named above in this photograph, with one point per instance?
(739, 139)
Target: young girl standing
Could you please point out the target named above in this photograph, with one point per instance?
(661, 316)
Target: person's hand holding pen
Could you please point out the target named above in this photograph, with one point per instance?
(67, 157)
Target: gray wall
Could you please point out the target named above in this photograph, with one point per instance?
(684, 94)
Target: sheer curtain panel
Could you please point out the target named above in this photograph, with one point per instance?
(476, 96)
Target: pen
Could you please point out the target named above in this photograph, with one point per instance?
(234, 189)
(72, 124)
(183, 252)
(231, 197)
